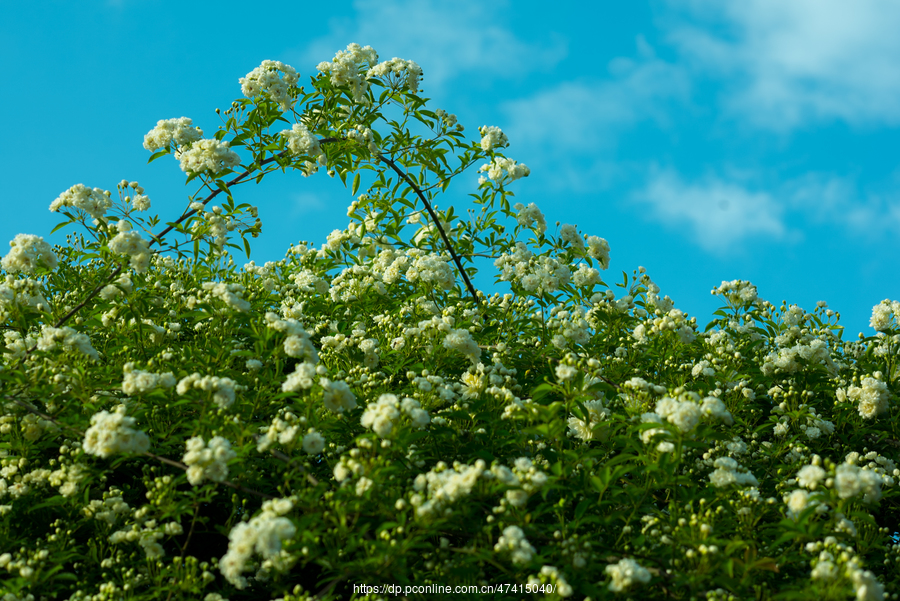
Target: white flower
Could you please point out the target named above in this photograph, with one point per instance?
(492, 137)
(398, 66)
(167, 131)
(626, 573)
(112, 433)
(461, 340)
(265, 80)
(809, 476)
(130, 243)
(337, 396)
(27, 253)
(313, 442)
(223, 389)
(209, 461)
(263, 534)
(381, 415)
(500, 168)
(345, 68)
(207, 155)
(301, 142)
(137, 381)
(513, 541)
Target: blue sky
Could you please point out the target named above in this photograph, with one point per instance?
(707, 141)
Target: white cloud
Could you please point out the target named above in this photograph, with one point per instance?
(585, 115)
(785, 64)
(446, 39)
(558, 127)
(719, 214)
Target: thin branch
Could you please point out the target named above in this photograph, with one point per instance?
(437, 224)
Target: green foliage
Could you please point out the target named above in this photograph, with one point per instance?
(358, 415)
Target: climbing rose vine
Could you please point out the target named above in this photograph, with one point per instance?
(358, 420)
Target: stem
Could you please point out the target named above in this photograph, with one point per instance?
(437, 223)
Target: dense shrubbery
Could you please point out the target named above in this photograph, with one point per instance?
(175, 427)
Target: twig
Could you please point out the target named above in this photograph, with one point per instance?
(437, 224)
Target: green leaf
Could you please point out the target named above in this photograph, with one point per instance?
(355, 184)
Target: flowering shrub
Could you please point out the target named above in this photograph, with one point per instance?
(177, 427)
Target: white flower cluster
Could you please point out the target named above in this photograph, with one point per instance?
(686, 412)
(625, 574)
(873, 396)
(813, 351)
(444, 485)
(51, 338)
(95, 202)
(21, 292)
(398, 66)
(584, 430)
(337, 396)
(533, 274)
(524, 477)
(345, 68)
(109, 509)
(112, 433)
(297, 344)
(122, 284)
(283, 431)
(130, 243)
(263, 534)
(672, 321)
(850, 480)
(27, 253)
(137, 381)
(431, 269)
(569, 326)
(500, 168)
(728, 472)
(207, 155)
(265, 79)
(207, 461)
(382, 415)
(492, 137)
(313, 442)
(531, 217)
(739, 293)
(883, 313)
(598, 249)
(222, 388)
(514, 542)
(461, 340)
(301, 142)
(180, 131)
(230, 294)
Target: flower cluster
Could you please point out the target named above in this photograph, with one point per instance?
(265, 79)
(872, 397)
(222, 389)
(500, 169)
(492, 137)
(130, 243)
(345, 69)
(382, 416)
(137, 381)
(397, 66)
(626, 574)
(112, 433)
(207, 461)
(883, 313)
(28, 253)
(95, 202)
(301, 142)
(263, 535)
(513, 541)
(207, 155)
(180, 131)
